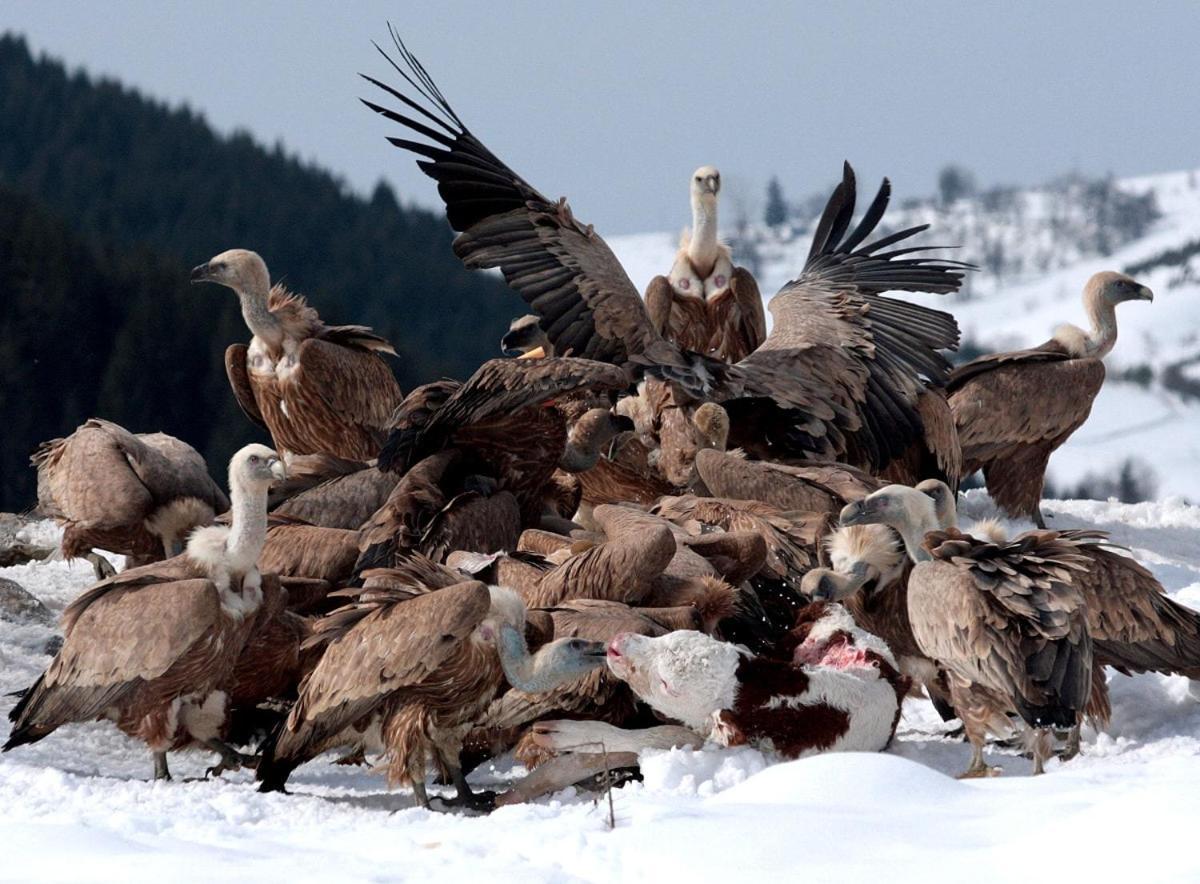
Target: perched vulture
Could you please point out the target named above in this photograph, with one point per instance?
(421, 662)
(317, 388)
(138, 495)
(706, 304)
(1004, 620)
(838, 377)
(1014, 409)
(154, 648)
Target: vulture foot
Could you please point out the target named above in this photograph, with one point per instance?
(103, 568)
(975, 773)
(161, 771)
(482, 802)
(354, 758)
(231, 759)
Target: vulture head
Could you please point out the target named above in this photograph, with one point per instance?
(706, 184)
(552, 665)
(713, 423)
(256, 468)
(827, 585)
(526, 339)
(1116, 287)
(239, 269)
(911, 513)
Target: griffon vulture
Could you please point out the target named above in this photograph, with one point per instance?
(138, 495)
(423, 661)
(317, 388)
(1005, 621)
(331, 493)
(839, 375)
(154, 648)
(706, 304)
(1014, 409)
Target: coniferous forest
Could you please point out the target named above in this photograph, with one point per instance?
(109, 198)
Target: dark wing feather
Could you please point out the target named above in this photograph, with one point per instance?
(239, 380)
(562, 269)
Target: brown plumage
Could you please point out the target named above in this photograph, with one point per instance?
(138, 495)
(818, 488)
(1004, 620)
(422, 659)
(705, 303)
(791, 538)
(838, 376)
(937, 454)
(318, 389)
(296, 549)
(1014, 409)
(331, 493)
(153, 648)
(500, 421)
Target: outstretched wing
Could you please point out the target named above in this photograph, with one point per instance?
(563, 269)
(863, 359)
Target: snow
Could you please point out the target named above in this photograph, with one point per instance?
(1148, 423)
(78, 804)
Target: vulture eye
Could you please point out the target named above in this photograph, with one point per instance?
(253, 458)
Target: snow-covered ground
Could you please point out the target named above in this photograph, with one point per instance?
(1128, 420)
(78, 805)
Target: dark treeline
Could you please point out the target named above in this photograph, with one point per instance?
(109, 198)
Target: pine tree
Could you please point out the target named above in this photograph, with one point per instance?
(777, 209)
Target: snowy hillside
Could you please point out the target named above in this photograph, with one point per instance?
(1049, 250)
(78, 804)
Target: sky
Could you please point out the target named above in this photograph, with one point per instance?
(613, 105)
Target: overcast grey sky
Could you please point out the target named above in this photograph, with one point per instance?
(614, 103)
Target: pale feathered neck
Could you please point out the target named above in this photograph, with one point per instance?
(919, 519)
(263, 324)
(233, 550)
(703, 249)
(1097, 343)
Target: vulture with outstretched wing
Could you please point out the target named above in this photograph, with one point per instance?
(838, 377)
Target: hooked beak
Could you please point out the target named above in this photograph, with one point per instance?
(712, 184)
(200, 273)
(278, 469)
(821, 585)
(856, 513)
(1144, 294)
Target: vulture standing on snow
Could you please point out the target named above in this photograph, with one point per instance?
(1004, 620)
(706, 304)
(1014, 409)
(138, 495)
(421, 660)
(838, 377)
(1135, 626)
(154, 648)
(317, 388)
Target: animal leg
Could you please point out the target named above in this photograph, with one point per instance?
(1043, 744)
(102, 566)
(160, 766)
(1073, 743)
(974, 713)
(231, 759)
(484, 801)
(1038, 518)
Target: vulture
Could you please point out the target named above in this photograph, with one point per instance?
(154, 648)
(1006, 621)
(705, 303)
(317, 388)
(1013, 410)
(139, 495)
(814, 487)
(838, 377)
(835, 687)
(1135, 626)
(420, 659)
